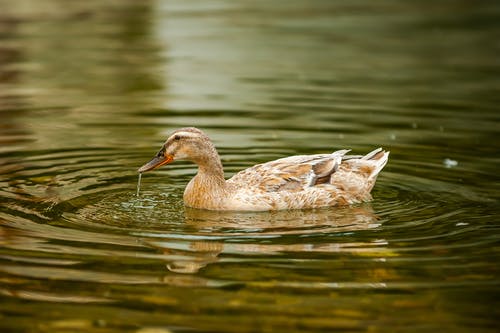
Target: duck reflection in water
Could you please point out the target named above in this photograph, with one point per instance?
(250, 232)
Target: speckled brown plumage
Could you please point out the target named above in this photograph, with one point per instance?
(295, 182)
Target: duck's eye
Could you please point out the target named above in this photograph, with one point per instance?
(177, 137)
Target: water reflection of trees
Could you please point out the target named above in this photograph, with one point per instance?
(69, 66)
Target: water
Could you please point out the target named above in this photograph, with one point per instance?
(138, 184)
(90, 90)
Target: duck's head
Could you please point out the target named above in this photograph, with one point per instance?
(184, 144)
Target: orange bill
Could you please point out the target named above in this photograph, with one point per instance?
(156, 162)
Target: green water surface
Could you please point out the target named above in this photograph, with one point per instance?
(89, 90)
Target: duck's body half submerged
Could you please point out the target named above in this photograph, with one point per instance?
(295, 182)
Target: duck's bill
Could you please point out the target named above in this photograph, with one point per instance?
(156, 162)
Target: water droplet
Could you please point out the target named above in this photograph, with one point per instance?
(139, 184)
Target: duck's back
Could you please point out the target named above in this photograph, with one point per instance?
(309, 181)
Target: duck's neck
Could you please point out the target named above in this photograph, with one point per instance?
(208, 188)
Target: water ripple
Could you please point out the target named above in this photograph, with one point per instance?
(79, 251)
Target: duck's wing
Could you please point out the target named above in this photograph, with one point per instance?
(292, 174)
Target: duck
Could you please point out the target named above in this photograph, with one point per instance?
(294, 182)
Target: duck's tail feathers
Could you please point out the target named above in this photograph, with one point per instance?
(379, 157)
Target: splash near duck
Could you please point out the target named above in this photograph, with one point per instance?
(295, 182)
